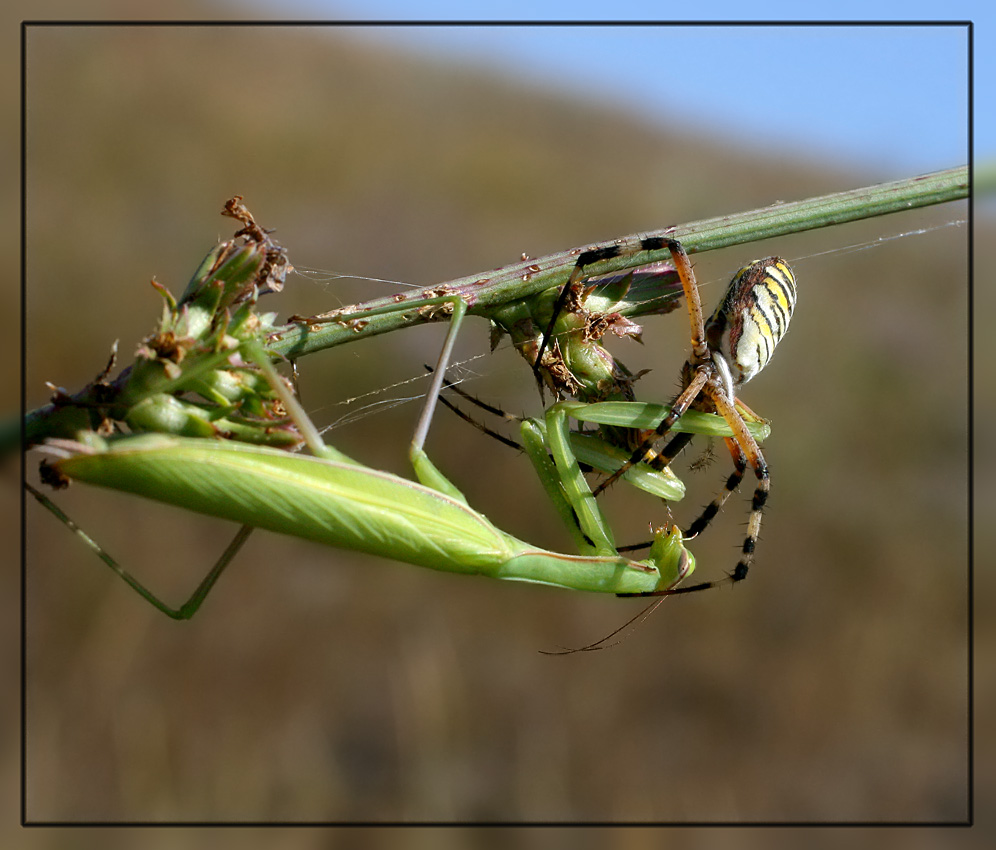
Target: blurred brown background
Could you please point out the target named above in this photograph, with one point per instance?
(316, 685)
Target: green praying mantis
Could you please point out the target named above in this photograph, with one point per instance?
(211, 342)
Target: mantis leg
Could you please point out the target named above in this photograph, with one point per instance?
(188, 608)
(425, 469)
(536, 444)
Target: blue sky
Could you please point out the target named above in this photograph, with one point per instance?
(889, 99)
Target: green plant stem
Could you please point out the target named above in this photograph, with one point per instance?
(489, 291)
(484, 292)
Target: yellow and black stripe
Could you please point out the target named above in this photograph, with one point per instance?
(753, 317)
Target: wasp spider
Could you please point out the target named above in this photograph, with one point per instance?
(727, 351)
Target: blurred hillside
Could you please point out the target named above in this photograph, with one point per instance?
(317, 685)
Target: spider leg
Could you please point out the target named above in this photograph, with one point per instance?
(754, 523)
(682, 265)
(732, 483)
(748, 446)
(667, 454)
(577, 274)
